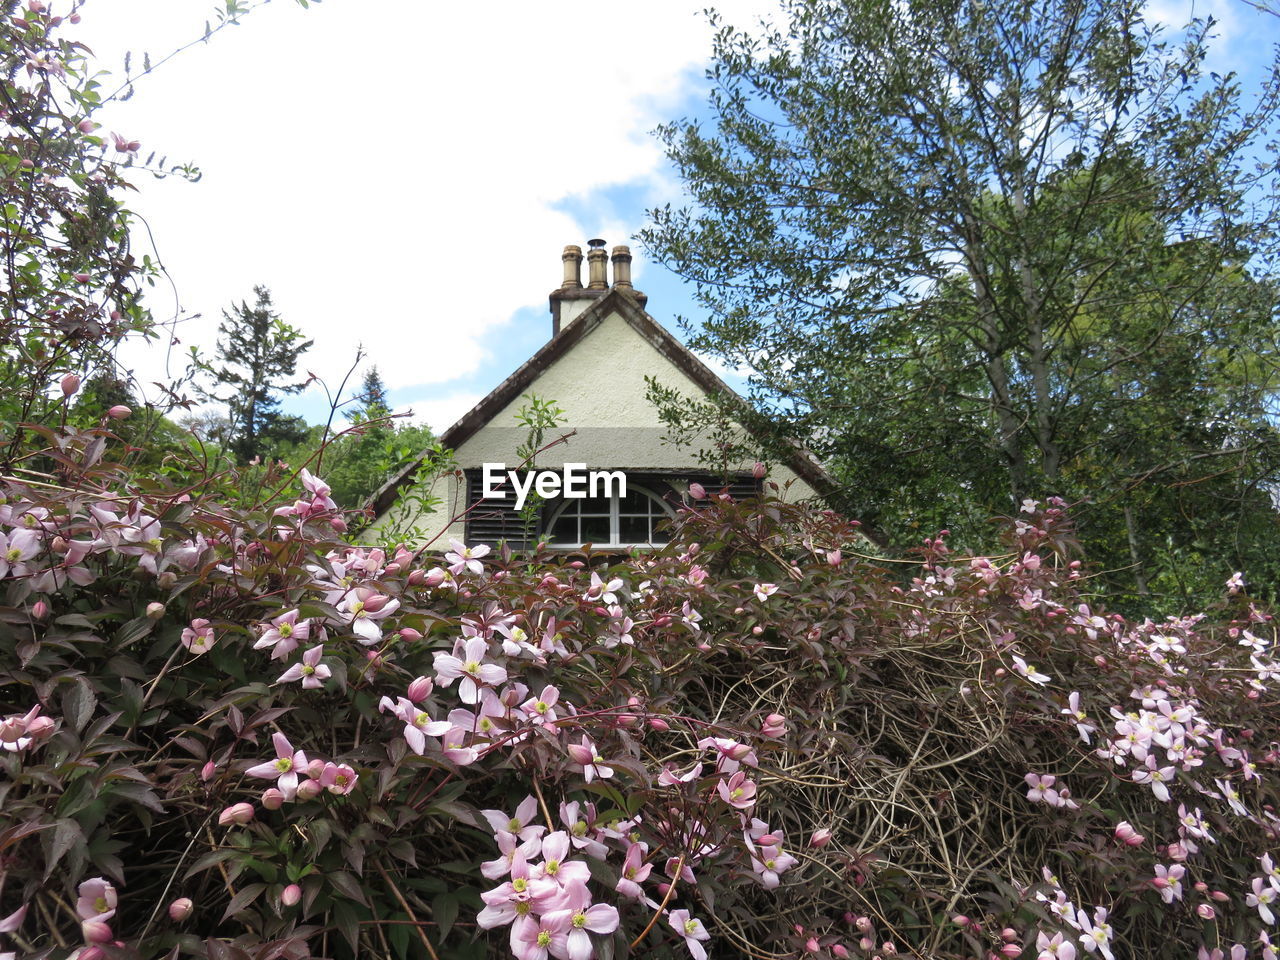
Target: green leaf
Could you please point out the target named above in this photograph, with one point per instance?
(66, 834)
(78, 704)
(444, 910)
(243, 899)
(347, 885)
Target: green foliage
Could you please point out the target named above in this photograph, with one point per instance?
(980, 252)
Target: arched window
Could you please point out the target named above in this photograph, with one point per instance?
(630, 521)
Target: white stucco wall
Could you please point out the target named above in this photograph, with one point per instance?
(600, 386)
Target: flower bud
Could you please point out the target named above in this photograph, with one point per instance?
(774, 725)
(180, 909)
(434, 577)
(697, 491)
(657, 723)
(309, 789)
(91, 953)
(95, 931)
(840, 950)
(272, 799)
(820, 838)
(1008, 935)
(155, 610)
(1011, 950)
(410, 634)
(1220, 896)
(417, 578)
(420, 689)
(207, 771)
(1205, 912)
(812, 945)
(758, 470)
(119, 412)
(960, 920)
(291, 895)
(39, 610)
(70, 384)
(863, 924)
(834, 557)
(237, 813)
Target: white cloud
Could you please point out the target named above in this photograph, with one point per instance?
(393, 172)
(440, 413)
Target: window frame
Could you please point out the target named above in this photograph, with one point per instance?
(615, 516)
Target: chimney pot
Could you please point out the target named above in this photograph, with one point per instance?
(572, 258)
(597, 258)
(622, 267)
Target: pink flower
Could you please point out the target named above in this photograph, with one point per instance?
(541, 709)
(820, 838)
(584, 754)
(418, 724)
(70, 384)
(462, 557)
(1168, 880)
(125, 146)
(737, 791)
(290, 895)
(1262, 897)
(13, 921)
(691, 930)
(97, 900)
(472, 667)
(338, 778)
(1125, 833)
(774, 725)
(556, 847)
(16, 548)
(538, 939)
(310, 671)
(583, 916)
(363, 606)
(1058, 948)
(198, 638)
(634, 871)
(697, 491)
(284, 634)
(764, 591)
(520, 824)
(284, 767)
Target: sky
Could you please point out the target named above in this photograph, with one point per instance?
(403, 175)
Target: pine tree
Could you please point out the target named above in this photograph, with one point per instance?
(258, 352)
(372, 399)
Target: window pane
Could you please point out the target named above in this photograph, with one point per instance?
(633, 529)
(565, 529)
(595, 530)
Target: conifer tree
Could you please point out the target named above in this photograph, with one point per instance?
(257, 352)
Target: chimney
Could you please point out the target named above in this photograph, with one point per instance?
(596, 260)
(622, 268)
(572, 258)
(571, 298)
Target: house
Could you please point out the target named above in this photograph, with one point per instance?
(603, 345)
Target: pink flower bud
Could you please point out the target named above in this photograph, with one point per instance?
(434, 578)
(338, 525)
(237, 813)
(82, 277)
(1008, 935)
(863, 924)
(92, 953)
(820, 838)
(41, 727)
(70, 384)
(834, 557)
(207, 771)
(291, 895)
(155, 610)
(1125, 833)
(420, 689)
(119, 412)
(309, 789)
(657, 723)
(95, 931)
(1220, 896)
(697, 491)
(889, 947)
(417, 578)
(812, 945)
(39, 610)
(410, 634)
(272, 799)
(180, 909)
(758, 470)
(839, 950)
(769, 840)
(1011, 950)
(74, 18)
(1205, 912)
(960, 920)
(774, 725)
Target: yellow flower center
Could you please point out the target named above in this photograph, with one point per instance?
(690, 927)
(285, 629)
(284, 764)
(101, 905)
(553, 867)
(579, 920)
(544, 938)
(514, 825)
(519, 884)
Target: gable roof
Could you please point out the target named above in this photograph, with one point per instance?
(624, 303)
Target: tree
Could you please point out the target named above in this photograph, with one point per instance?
(258, 351)
(372, 399)
(980, 252)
